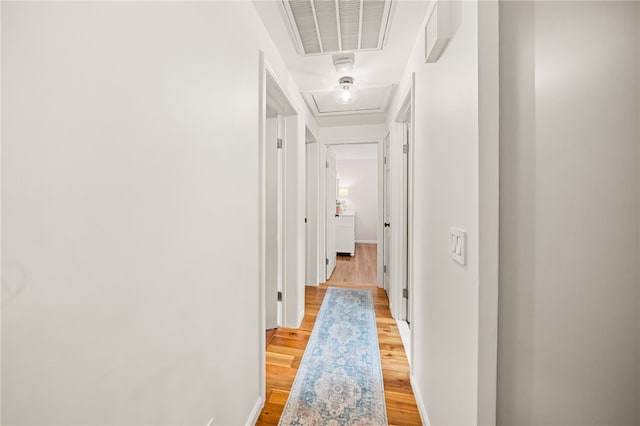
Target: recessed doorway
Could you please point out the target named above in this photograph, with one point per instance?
(353, 212)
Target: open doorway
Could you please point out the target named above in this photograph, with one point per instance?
(279, 195)
(331, 214)
(404, 121)
(353, 207)
(274, 138)
(278, 115)
(403, 291)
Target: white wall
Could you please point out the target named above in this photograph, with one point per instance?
(361, 178)
(569, 295)
(351, 134)
(130, 203)
(448, 143)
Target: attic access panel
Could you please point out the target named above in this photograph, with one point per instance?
(370, 100)
(332, 26)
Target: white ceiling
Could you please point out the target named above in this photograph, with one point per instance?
(370, 100)
(373, 69)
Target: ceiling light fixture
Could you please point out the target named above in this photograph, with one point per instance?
(345, 91)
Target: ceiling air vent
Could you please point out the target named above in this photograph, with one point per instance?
(331, 26)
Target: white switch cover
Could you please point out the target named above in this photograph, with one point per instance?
(458, 245)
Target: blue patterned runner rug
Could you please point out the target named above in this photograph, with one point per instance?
(339, 381)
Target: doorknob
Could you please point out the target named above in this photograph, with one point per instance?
(387, 224)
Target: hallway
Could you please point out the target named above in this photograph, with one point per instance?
(170, 186)
(286, 346)
(360, 268)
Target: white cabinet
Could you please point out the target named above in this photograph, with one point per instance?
(346, 233)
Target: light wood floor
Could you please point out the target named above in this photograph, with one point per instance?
(285, 350)
(361, 268)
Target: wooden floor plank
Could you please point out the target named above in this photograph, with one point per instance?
(360, 268)
(285, 350)
(279, 359)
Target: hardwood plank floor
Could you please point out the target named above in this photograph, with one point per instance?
(361, 268)
(285, 350)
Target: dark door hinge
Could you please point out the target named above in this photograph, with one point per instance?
(405, 293)
(405, 148)
(279, 296)
(384, 268)
(326, 261)
(279, 143)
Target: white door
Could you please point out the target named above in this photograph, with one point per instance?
(332, 177)
(272, 226)
(311, 222)
(386, 245)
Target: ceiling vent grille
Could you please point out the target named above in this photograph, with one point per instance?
(332, 26)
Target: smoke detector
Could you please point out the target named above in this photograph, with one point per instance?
(343, 63)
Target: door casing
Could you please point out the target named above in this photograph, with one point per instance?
(330, 209)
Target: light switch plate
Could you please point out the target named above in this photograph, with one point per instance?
(458, 245)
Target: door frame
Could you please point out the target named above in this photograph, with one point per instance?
(327, 215)
(322, 217)
(270, 92)
(405, 120)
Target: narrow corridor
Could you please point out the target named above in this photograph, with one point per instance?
(360, 268)
(286, 346)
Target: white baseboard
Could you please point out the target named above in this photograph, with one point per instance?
(405, 336)
(367, 241)
(255, 413)
(420, 401)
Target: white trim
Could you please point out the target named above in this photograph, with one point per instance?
(384, 25)
(262, 270)
(420, 402)
(367, 241)
(294, 34)
(488, 209)
(405, 113)
(411, 208)
(359, 25)
(309, 99)
(255, 412)
(337, 3)
(278, 96)
(322, 217)
(380, 211)
(405, 336)
(402, 114)
(315, 21)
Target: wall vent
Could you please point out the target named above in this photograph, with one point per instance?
(332, 26)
